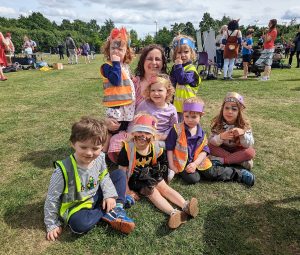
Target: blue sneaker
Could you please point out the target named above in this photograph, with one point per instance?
(248, 178)
(118, 219)
(129, 201)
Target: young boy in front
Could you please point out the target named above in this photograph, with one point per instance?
(81, 191)
(187, 151)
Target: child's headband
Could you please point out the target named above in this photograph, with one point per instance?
(183, 41)
(234, 97)
(193, 107)
(119, 34)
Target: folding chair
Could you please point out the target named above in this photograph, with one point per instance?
(209, 67)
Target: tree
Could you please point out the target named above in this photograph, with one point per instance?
(189, 30)
(177, 28)
(148, 40)
(106, 28)
(207, 22)
(164, 37)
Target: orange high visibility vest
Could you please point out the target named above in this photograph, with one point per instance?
(116, 95)
(180, 153)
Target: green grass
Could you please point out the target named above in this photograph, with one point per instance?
(37, 110)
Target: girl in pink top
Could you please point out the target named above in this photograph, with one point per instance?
(266, 57)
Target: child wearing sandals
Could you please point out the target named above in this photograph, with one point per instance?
(231, 141)
(145, 164)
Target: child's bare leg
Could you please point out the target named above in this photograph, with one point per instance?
(160, 202)
(170, 194)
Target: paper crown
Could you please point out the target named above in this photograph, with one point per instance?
(119, 34)
(234, 97)
(144, 123)
(193, 107)
(183, 41)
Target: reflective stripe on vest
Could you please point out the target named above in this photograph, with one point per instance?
(131, 155)
(180, 153)
(116, 95)
(73, 199)
(184, 91)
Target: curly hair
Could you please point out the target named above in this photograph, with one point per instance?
(129, 55)
(140, 71)
(162, 79)
(175, 50)
(89, 128)
(217, 123)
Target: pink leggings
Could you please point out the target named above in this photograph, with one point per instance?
(234, 156)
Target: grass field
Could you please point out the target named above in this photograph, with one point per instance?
(37, 110)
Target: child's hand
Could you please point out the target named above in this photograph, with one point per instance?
(115, 58)
(54, 234)
(178, 60)
(108, 204)
(227, 135)
(191, 168)
(112, 124)
(238, 132)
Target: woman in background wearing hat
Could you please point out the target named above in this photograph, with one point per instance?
(146, 167)
(231, 141)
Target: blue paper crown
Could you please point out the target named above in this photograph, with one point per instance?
(183, 41)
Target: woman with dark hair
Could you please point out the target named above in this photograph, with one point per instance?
(232, 39)
(152, 61)
(266, 57)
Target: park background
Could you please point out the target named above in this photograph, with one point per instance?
(37, 111)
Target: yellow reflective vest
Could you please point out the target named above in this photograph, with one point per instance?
(184, 91)
(73, 198)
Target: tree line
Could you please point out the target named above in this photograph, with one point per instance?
(49, 34)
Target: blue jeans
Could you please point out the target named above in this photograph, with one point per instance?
(220, 59)
(85, 219)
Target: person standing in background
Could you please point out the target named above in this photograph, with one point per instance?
(220, 48)
(266, 57)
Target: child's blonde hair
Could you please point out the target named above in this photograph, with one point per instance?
(125, 37)
(89, 128)
(176, 46)
(217, 124)
(162, 79)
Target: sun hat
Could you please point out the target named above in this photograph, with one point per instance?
(144, 123)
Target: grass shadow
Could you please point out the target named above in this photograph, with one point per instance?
(29, 216)
(296, 89)
(45, 158)
(290, 80)
(268, 228)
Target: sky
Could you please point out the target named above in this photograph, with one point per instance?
(145, 16)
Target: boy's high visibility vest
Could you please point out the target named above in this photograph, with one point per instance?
(184, 91)
(116, 95)
(180, 153)
(131, 155)
(73, 199)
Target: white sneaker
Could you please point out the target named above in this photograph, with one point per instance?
(264, 78)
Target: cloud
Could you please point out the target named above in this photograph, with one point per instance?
(7, 12)
(292, 13)
(60, 13)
